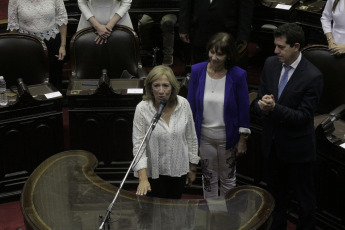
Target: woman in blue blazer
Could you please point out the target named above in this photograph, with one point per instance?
(218, 96)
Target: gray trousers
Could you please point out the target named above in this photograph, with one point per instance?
(218, 164)
(167, 24)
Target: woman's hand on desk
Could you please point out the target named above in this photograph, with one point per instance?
(144, 184)
(143, 188)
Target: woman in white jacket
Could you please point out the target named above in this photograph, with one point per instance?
(103, 15)
(333, 25)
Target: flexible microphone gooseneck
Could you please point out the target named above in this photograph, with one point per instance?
(162, 104)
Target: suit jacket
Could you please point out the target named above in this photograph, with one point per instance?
(236, 101)
(291, 123)
(206, 19)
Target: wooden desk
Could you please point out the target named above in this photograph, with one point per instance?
(64, 193)
(31, 130)
(103, 124)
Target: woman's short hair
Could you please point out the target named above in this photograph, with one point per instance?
(156, 73)
(226, 44)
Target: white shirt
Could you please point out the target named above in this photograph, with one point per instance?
(103, 11)
(213, 114)
(338, 18)
(39, 17)
(171, 147)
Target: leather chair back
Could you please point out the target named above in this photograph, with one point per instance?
(121, 52)
(23, 56)
(333, 69)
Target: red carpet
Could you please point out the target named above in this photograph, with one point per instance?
(3, 9)
(11, 217)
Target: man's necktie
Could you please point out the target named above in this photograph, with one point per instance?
(283, 80)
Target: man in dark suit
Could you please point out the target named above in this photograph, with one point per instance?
(288, 128)
(200, 19)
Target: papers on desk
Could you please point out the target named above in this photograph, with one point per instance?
(342, 145)
(53, 95)
(283, 6)
(135, 91)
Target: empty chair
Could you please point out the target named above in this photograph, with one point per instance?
(333, 70)
(120, 53)
(23, 56)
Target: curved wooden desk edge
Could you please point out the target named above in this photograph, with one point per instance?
(27, 193)
(265, 209)
(34, 222)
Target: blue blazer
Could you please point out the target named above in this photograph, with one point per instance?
(236, 101)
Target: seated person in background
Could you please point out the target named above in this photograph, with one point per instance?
(47, 20)
(334, 11)
(169, 157)
(103, 15)
(167, 23)
(200, 19)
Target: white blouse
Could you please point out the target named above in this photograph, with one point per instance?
(170, 148)
(103, 11)
(37, 17)
(338, 18)
(213, 115)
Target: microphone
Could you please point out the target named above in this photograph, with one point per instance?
(337, 112)
(162, 104)
(104, 79)
(22, 88)
(155, 119)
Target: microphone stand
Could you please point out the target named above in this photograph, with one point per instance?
(149, 131)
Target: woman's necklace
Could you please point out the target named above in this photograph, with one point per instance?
(214, 79)
(213, 86)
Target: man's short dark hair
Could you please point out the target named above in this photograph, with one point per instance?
(293, 33)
